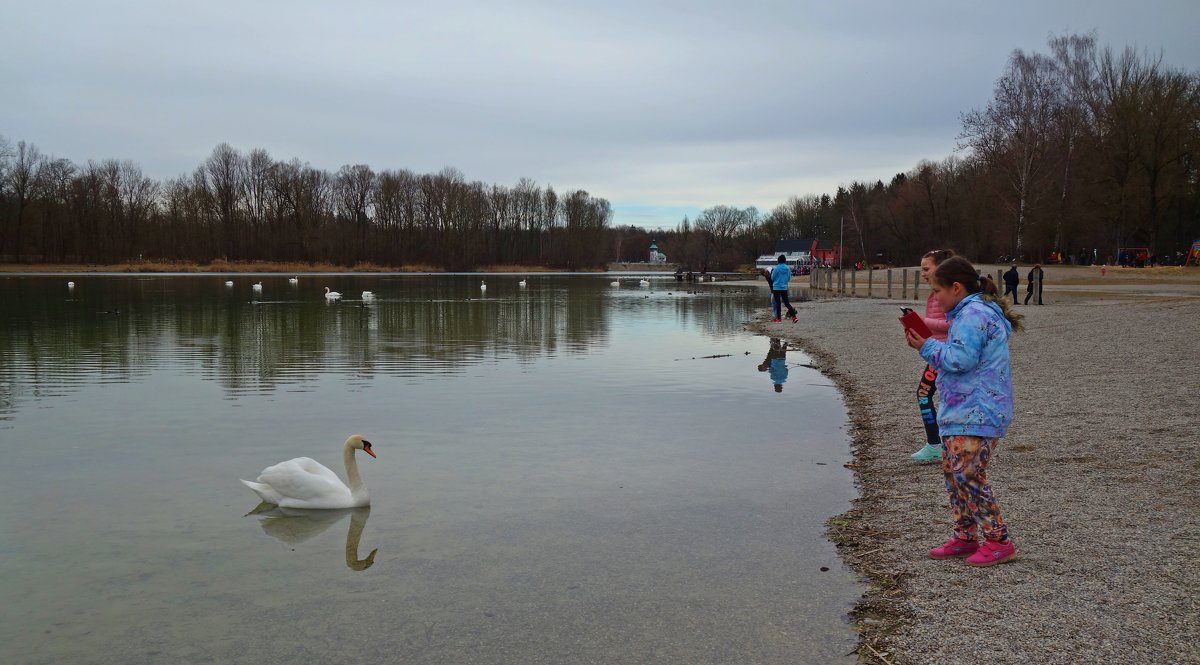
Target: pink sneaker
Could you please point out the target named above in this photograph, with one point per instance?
(993, 553)
(954, 548)
(776, 321)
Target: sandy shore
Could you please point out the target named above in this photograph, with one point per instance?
(1096, 478)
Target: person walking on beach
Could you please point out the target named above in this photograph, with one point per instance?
(780, 276)
(1012, 279)
(975, 372)
(935, 318)
(1035, 282)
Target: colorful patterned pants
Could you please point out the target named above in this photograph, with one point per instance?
(964, 463)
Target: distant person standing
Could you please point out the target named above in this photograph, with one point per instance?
(1035, 282)
(780, 276)
(1012, 279)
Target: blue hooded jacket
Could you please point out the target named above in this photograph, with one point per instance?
(780, 275)
(974, 373)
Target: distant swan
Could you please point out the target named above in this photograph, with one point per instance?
(483, 286)
(229, 283)
(521, 283)
(332, 295)
(644, 282)
(367, 295)
(305, 483)
(293, 280)
(71, 285)
(614, 283)
(257, 286)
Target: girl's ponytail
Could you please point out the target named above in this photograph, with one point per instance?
(992, 293)
(958, 269)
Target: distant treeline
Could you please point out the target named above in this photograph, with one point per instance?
(1081, 147)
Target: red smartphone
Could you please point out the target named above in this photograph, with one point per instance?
(912, 320)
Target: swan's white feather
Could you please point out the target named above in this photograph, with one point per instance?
(303, 483)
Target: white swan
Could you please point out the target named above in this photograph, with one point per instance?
(644, 282)
(483, 286)
(614, 283)
(332, 295)
(521, 283)
(293, 280)
(257, 286)
(229, 283)
(367, 295)
(305, 483)
(70, 285)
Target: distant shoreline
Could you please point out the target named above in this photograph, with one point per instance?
(256, 267)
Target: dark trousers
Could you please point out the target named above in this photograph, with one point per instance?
(925, 390)
(1011, 288)
(779, 297)
(1029, 292)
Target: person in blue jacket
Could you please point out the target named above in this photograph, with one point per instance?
(975, 381)
(780, 276)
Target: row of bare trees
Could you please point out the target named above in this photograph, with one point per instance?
(1079, 148)
(249, 206)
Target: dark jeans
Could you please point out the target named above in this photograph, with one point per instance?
(778, 297)
(1011, 288)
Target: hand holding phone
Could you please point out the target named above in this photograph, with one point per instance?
(915, 323)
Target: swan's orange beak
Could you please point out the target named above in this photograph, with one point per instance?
(367, 449)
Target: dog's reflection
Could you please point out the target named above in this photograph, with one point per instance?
(293, 526)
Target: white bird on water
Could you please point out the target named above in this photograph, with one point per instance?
(614, 283)
(483, 286)
(305, 483)
(257, 286)
(521, 283)
(229, 283)
(293, 280)
(70, 285)
(367, 295)
(332, 295)
(644, 282)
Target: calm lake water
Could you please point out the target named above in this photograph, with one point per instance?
(568, 472)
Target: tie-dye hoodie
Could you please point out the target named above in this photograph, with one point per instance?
(974, 373)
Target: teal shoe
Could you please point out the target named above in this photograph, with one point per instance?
(928, 453)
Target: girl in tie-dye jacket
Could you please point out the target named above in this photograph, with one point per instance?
(975, 382)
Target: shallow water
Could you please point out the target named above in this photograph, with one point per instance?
(566, 474)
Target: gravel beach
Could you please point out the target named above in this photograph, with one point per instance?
(1096, 480)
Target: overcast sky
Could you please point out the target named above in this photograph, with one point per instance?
(663, 108)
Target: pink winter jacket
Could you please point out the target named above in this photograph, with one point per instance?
(935, 318)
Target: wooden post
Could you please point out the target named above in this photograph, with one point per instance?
(916, 284)
(853, 282)
(904, 284)
(889, 283)
(870, 274)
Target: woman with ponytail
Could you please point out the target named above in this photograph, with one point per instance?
(974, 377)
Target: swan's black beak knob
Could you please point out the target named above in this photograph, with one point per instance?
(367, 448)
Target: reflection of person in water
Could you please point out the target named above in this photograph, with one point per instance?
(776, 363)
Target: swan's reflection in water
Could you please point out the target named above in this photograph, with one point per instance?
(294, 526)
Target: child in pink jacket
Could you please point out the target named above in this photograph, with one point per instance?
(935, 318)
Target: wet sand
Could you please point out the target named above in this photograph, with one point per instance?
(1096, 479)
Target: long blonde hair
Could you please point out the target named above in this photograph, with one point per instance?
(958, 269)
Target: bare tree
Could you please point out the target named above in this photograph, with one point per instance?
(1011, 134)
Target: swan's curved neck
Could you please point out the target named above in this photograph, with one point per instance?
(354, 480)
